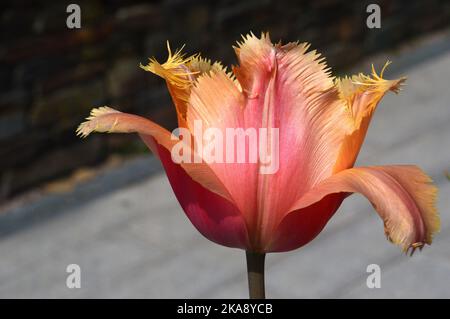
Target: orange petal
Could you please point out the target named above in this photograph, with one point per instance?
(216, 102)
(109, 120)
(180, 73)
(403, 196)
(360, 96)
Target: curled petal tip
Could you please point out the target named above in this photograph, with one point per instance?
(174, 70)
(411, 249)
(403, 196)
(83, 130)
(92, 124)
(103, 110)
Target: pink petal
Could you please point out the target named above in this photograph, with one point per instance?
(205, 200)
(402, 195)
(214, 217)
(106, 119)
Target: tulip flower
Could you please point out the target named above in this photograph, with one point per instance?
(321, 123)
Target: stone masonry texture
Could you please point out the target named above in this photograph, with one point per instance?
(51, 76)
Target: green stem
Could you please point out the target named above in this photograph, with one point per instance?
(255, 271)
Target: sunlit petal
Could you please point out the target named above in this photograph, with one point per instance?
(402, 195)
(109, 120)
(180, 73)
(360, 95)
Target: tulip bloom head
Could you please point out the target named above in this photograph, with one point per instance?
(311, 124)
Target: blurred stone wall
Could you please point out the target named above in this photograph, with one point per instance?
(51, 76)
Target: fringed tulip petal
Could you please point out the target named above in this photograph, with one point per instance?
(403, 196)
(214, 217)
(180, 73)
(217, 103)
(109, 120)
(290, 89)
(360, 95)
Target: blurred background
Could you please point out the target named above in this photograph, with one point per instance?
(103, 203)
